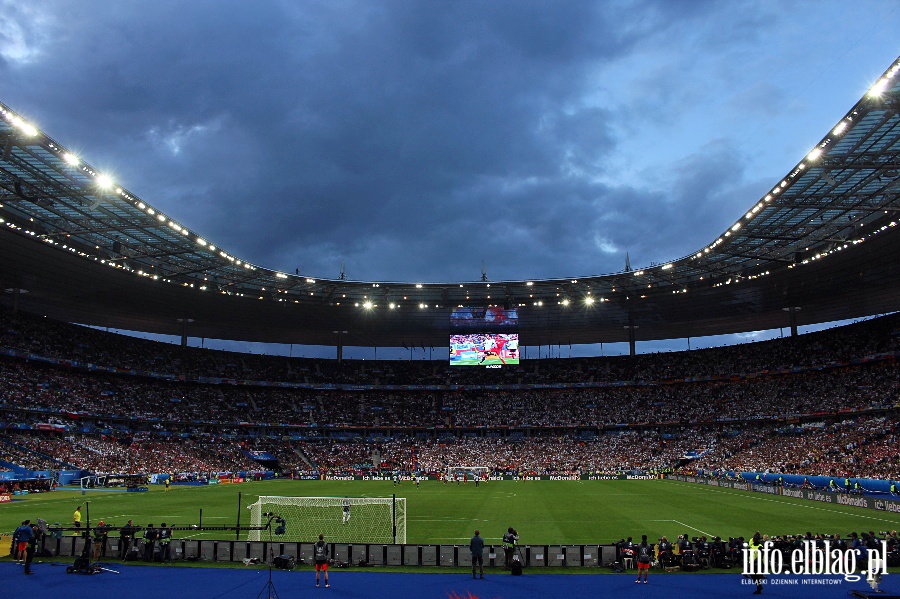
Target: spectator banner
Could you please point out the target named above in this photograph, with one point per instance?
(4, 497)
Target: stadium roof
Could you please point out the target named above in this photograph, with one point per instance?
(77, 247)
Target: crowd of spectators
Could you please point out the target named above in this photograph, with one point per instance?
(54, 339)
(859, 447)
(26, 451)
(660, 409)
(843, 448)
(77, 398)
(104, 456)
(862, 446)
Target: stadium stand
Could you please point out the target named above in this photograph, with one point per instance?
(153, 407)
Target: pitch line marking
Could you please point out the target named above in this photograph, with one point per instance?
(685, 525)
(809, 507)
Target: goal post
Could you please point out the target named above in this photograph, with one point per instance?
(368, 519)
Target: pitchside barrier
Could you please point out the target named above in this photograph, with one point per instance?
(875, 503)
(355, 554)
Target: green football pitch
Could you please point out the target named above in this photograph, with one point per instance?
(543, 512)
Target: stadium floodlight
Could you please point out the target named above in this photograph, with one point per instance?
(367, 305)
(373, 519)
(879, 88)
(104, 181)
(565, 302)
(814, 155)
(71, 159)
(25, 127)
(841, 127)
(589, 300)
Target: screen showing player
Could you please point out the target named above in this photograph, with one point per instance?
(484, 318)
(491, 350)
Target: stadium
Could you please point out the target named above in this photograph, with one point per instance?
(244, 459)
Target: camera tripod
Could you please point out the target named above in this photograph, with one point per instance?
(520, 553)
(268, 591)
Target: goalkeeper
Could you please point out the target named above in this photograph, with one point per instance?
(346, 510)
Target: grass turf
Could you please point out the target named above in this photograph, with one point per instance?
(544, 512)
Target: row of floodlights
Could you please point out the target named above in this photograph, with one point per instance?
(876, 91)
(587, 301)
(105, 182)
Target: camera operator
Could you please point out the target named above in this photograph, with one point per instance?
(510, 540)
(150, 536)
(164, 534)
(126, 539)
(101, 533)
(666, 553)
(703, 549)
(684, 543)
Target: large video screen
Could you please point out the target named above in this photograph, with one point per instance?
(484, 317)
(489, 350)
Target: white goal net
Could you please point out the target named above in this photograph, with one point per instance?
(340, 519)
(467, 472)
(92, 481)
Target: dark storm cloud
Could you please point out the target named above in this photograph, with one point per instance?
(412, 139)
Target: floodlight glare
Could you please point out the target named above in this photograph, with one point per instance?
(104, 181)
(367, 305)
(71, 159)
(25, 127)
(589, 300)
(879, 88)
